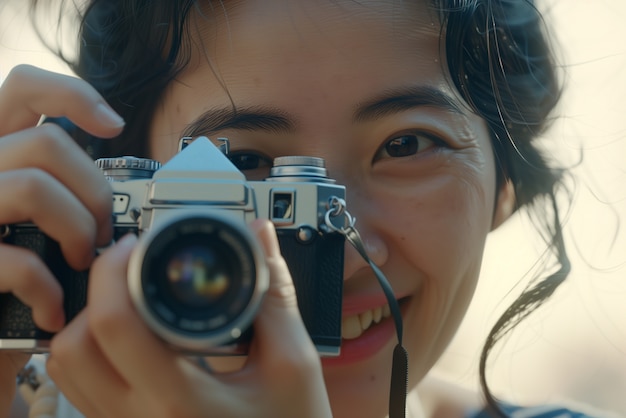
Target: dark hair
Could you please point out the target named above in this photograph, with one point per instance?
(498, 56)
(500, 60)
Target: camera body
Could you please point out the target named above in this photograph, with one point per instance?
(197, 275)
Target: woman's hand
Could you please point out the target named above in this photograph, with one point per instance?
(109, 364)
(47, 179)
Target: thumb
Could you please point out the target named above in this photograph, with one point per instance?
(279, 330)
(289, 365)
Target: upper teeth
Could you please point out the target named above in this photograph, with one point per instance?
(353, 326)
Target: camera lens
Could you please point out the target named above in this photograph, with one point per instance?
(198, 280)
(197, 277)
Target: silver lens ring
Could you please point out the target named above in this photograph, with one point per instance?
(192, 315)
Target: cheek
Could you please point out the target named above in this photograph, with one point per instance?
(442, 224)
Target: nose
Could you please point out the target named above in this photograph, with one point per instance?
(370, 225)
(375, 248)
(369, 222)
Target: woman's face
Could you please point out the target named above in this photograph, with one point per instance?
(364, 86)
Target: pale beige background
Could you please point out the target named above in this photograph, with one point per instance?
(574, 347)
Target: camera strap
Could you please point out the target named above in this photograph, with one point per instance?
(399, 365)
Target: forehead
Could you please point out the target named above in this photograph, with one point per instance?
(312, 10)
(316, 59)
(275, 28)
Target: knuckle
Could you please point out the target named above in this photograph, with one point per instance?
(79, 245)
(54, 143)
(62, 349)
(19, 74)
(52, 140)
(84, 232)
(77, 92)
(29, 269)
(103, 198)
(108, 324)
(30, 184)
(281, 285)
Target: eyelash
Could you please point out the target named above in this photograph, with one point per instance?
(248, 160)
(412, 146)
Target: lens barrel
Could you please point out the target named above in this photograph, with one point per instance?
(198, 280)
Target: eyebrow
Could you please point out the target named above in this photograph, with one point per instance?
(403, 99)
(277, 121)
(254, 118)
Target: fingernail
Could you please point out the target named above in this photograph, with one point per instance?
(107, 116)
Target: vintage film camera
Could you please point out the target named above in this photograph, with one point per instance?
(197, 275)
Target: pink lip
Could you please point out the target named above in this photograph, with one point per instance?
(365, 346)
(370, 342)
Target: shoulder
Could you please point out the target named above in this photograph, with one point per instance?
(442, 398)
(544, 411)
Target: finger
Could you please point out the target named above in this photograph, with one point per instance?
(27, 277)
(82, 372)
(282, 350)
(32, 195)
(29, 92)
(51, 150)
(138, 355)
(280, 336)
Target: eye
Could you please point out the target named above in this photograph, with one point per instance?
(248, 161)
(406, 145)
(254, 165)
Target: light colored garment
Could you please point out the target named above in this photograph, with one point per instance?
(46, 400)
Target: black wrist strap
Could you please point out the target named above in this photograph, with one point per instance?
(399, 365)
(400, 360)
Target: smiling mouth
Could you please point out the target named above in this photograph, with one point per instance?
(353, 326)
